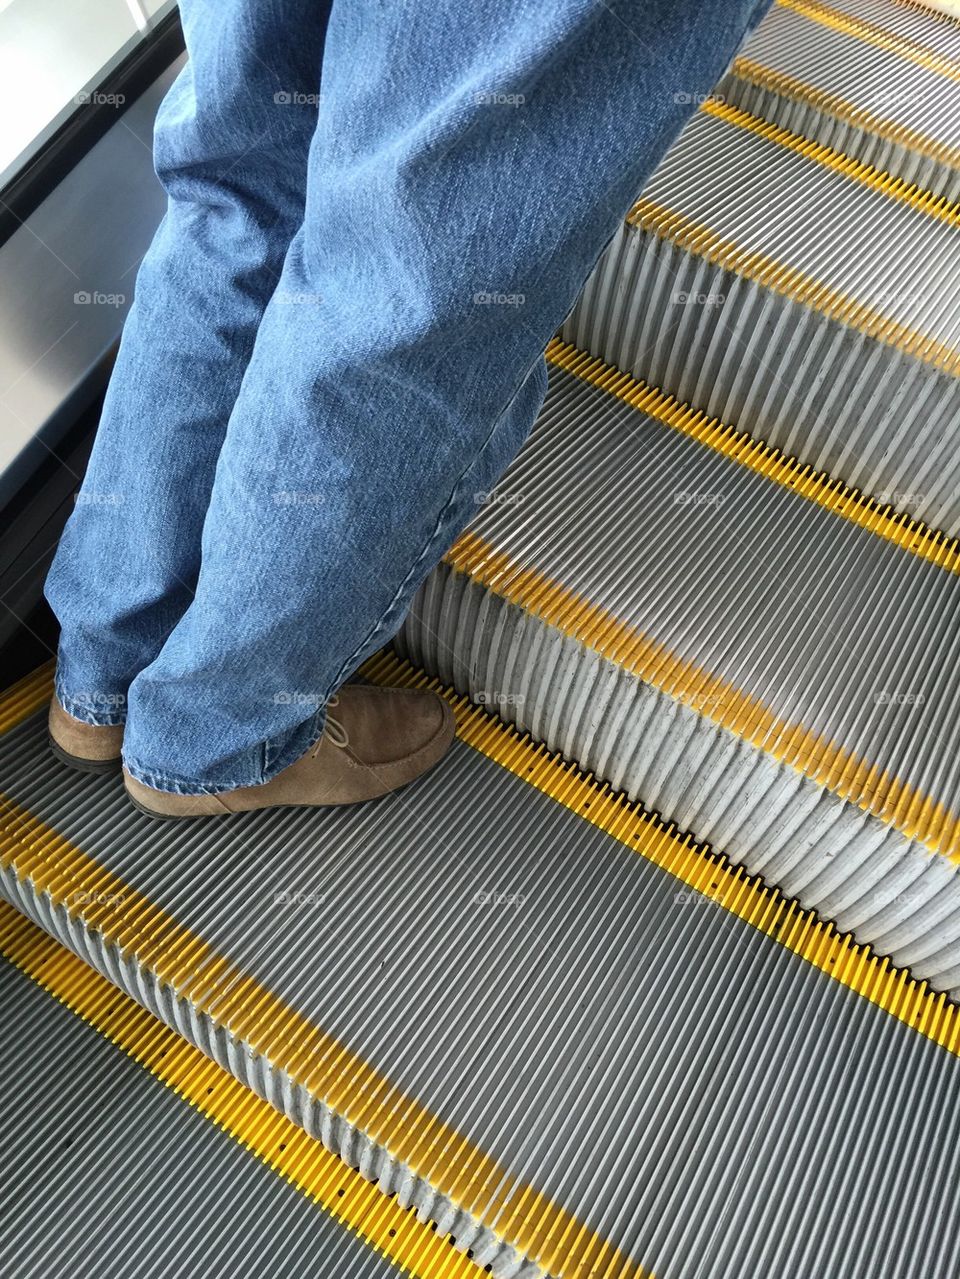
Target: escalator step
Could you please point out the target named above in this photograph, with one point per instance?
(543, 1017)
(781, 288)
(766, 673)
(855, 84)
(109, 1173)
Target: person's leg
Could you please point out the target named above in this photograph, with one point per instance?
(470, 164)
(231, 146)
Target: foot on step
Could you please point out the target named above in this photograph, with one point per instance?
(375, 740)
(90, 748)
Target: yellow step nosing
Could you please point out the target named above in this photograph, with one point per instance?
(822, 760)
(25, 697)
(931, 203)
(909, 534)
(904, 135)
(276, 1141)
(871, 33)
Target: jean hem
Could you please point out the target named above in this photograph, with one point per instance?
(279, 756)
(80, 710)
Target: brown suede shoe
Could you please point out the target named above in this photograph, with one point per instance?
(91, 748)
(378, 740)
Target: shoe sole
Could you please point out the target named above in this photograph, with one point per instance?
(82, 765)
(171, 817)
(206, 817)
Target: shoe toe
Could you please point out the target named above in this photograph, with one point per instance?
(430, 722)
(396, 726)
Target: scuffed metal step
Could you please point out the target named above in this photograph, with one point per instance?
(768, 674)
(783, 291)
(857, 86)
(110, 1173)
(564, 1032)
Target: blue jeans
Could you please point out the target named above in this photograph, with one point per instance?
(379, 213)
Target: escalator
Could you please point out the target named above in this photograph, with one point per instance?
(657, 975)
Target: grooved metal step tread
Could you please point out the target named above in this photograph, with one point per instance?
(918, 27)
(882, 100)
(753, 189)
(773, 677)
(775, 286)
(491, 995)
(108, 1173)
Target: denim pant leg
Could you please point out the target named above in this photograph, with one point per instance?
(469, 165)
(231, 145)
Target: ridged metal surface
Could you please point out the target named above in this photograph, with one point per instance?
(772, 200)
(685, 1085)
(258, 1073)
(827, 625)
(924, 28)
(872, 414)
(107, 1173)
(802, 74)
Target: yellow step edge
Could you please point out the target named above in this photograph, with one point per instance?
(832, 104)
(904, 531)
(916, 197)
(20, 700)
(826, 762)
(344, 1194)
(765, 271)
(870, 33)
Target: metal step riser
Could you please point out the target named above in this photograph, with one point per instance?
(873, 416)
(828, 853)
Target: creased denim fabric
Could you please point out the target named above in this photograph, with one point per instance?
(378, 215)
